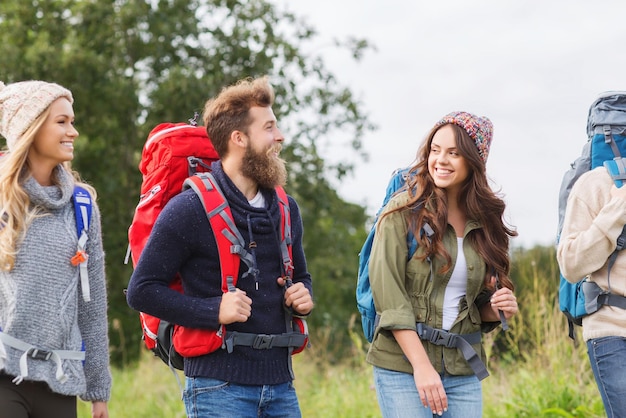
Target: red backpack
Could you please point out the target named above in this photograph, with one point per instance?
(172, 152)
(176, 157)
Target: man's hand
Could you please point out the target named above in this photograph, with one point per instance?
(235, 307)
(297, 297)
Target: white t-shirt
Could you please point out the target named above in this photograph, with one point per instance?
(257, 201)
(456, 288)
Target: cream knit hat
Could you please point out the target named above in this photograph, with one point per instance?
(22, 102)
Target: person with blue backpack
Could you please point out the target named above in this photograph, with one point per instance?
(588, 251)
(433, 306)
(53, 303)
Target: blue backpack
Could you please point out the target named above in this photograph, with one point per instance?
(364, 299)
(606, 131)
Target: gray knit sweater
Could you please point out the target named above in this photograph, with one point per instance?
(41, 301)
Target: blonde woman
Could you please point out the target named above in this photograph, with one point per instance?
(53, 307)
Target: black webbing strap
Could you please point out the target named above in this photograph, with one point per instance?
(462, 342)
(263, 341)
(612, 300)
(505, 324)
(620, 244)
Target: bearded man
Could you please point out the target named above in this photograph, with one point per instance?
(254, 380)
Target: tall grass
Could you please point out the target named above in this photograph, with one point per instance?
(146, 390)
(536, 369)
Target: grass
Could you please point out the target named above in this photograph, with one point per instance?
(543, 385)
(150, 390)
(536, 370)
(147, 390)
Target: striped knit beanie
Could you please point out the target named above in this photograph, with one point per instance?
(479, 128)
(22, 102)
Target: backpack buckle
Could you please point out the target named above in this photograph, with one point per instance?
(437, 336)
(440, 337)
(263, 342)
(39, 354)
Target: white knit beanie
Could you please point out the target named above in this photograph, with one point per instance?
(22, 102)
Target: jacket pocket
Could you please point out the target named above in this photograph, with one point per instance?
(419, 286)
(420, 306)
(474, 315)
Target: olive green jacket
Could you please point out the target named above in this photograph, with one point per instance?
(405, 294)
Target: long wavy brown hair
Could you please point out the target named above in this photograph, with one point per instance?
(428, 203)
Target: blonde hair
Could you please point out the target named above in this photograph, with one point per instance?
(16, 212)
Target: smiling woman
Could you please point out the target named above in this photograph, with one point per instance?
(54, 141)
(446, 165)
(55, 346)
(451, 285)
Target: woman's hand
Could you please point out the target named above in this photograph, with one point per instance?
(503, 300)
(430, 388)
(427, 380)
(99, 410)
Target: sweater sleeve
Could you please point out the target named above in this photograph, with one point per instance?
(174, 239)
(92, 319)
(593, 221)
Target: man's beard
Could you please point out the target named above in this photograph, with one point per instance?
(264, 168)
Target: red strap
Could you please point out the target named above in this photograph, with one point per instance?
(285, 231)
(214, 204)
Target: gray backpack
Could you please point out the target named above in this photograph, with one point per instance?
(606, 145)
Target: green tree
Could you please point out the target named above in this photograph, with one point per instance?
(133, 64)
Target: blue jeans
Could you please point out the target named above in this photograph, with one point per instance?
(608, 362)
(398, 397)
(205, 397)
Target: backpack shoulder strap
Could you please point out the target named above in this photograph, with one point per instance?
(83, 206)
(286, 250)
(425, 231)
(617, 169)
(230, 242)
(285, 233)
(231, 247)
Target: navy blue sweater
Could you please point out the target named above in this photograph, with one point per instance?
(182, 241)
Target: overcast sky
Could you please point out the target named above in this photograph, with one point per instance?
(532, 67)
